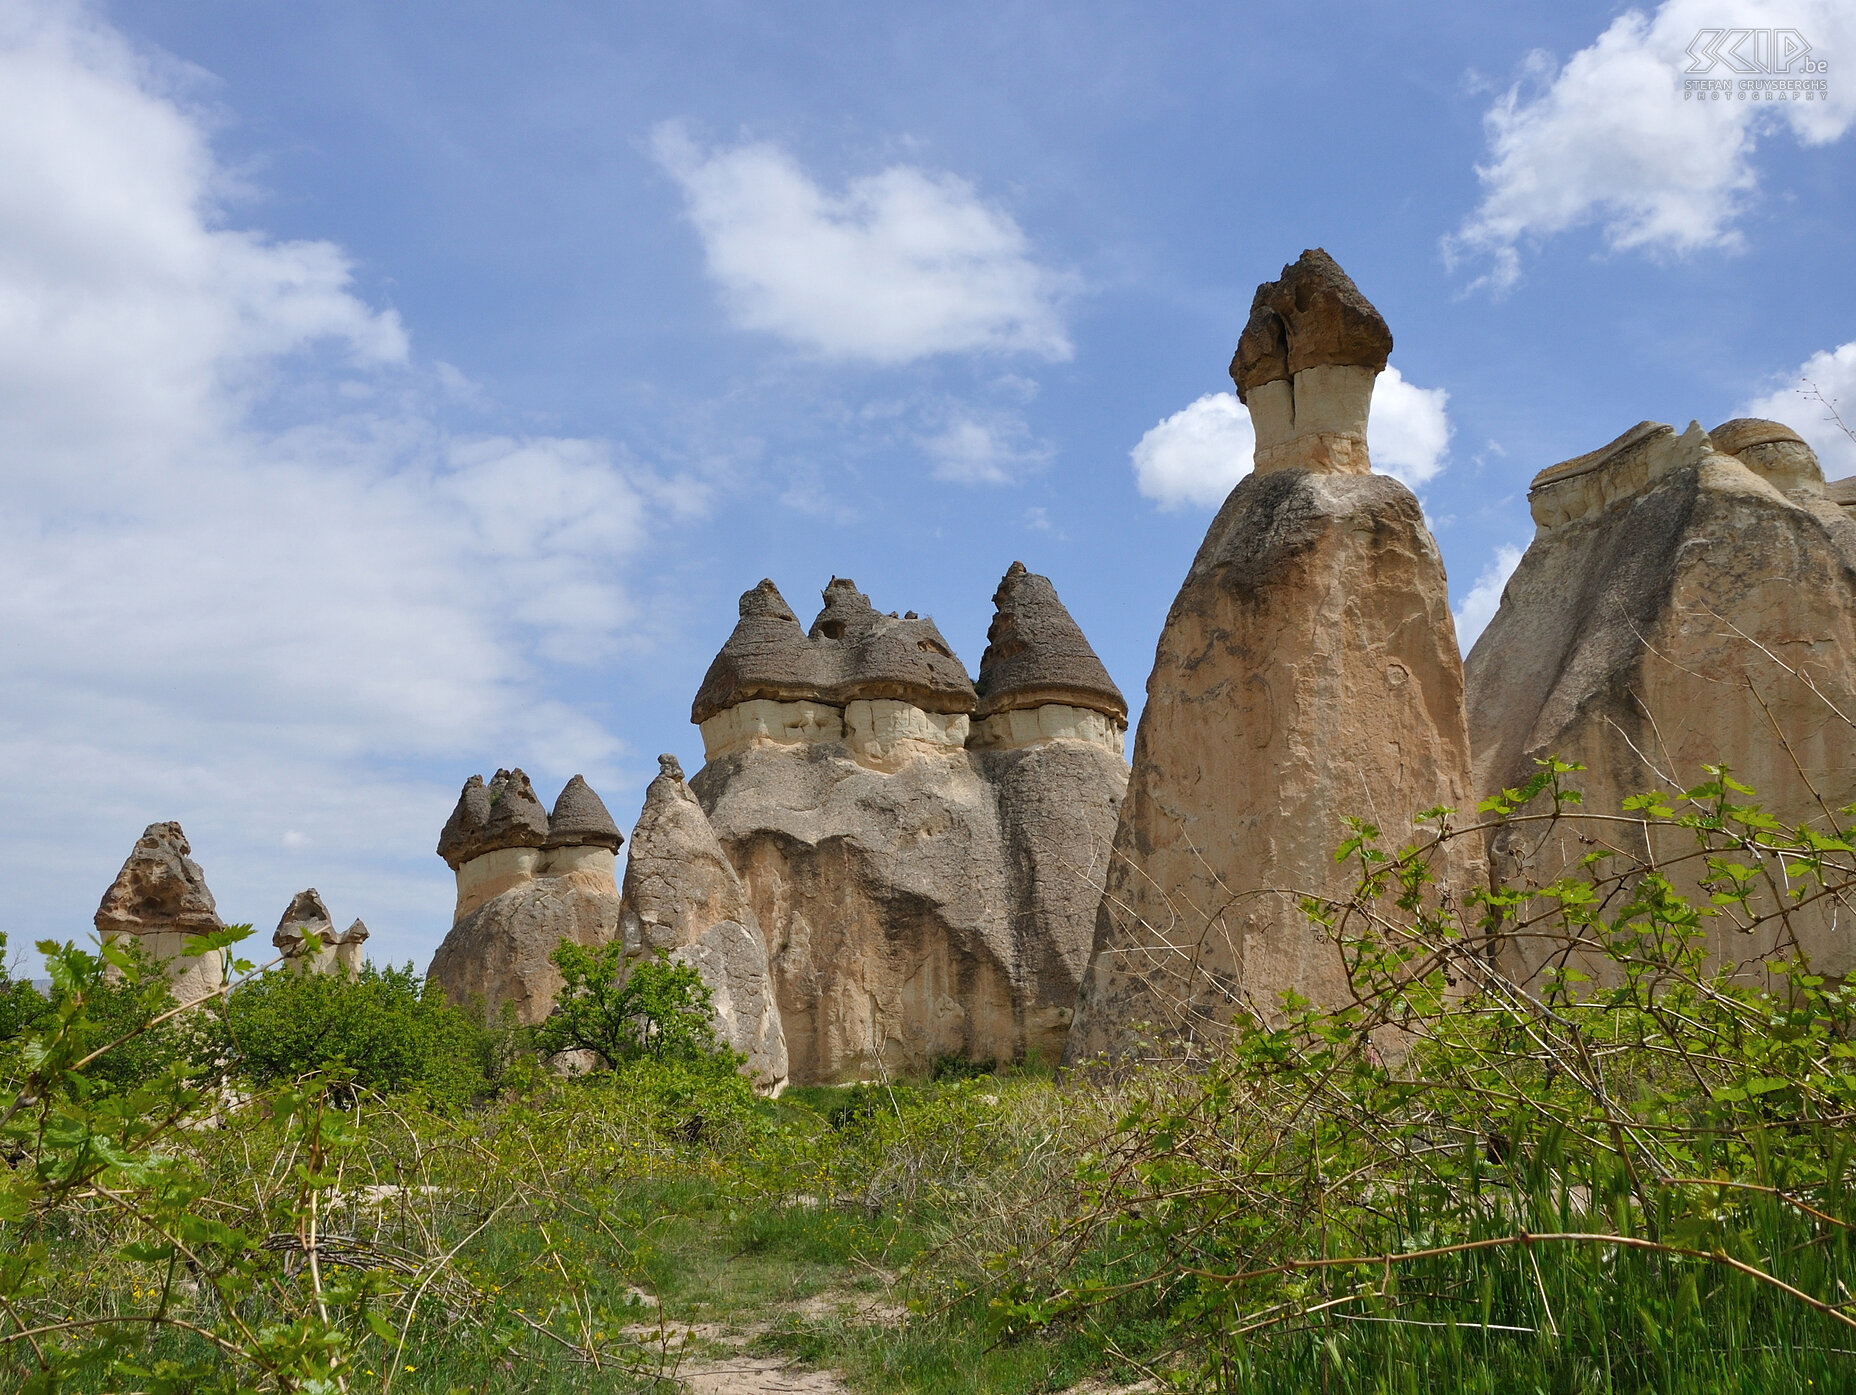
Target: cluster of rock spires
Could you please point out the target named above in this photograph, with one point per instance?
(883, 862)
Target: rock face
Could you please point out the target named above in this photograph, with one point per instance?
(1307, 671)
(682, 896)
(524, 885)
(1683, 596)
(925, 882)
(306, 938)
(160, 898)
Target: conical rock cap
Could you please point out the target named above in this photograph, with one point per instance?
(580, 819)
(503, 814)
(1036, 653)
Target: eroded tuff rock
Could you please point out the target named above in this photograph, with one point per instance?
(682, 896)
(309, 942)
(160, 898)
(1307, 671)
(1683, 595)
(522, 890)
(919, 898)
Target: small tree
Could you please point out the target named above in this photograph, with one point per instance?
(659, 1009)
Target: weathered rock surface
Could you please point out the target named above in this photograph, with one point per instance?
(682, 896)
(919, 898)
(521, 891)
(160, 898)
(305, 935)
(1683, 596)
(307, 938)
(1308, 671)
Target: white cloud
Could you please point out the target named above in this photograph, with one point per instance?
(1485, 597)
(1199, 453)
(1408, 431)
(1196, 455)
(992, 450)
(1831, 373)
(271, 633)
(1610, 138)
(902, 264)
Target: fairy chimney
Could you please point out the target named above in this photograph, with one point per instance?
(1307, 673)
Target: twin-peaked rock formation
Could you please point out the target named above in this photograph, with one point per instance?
(526, 881)
(1308, 672)
(1689, 598)
(922, 853)
(309, 943)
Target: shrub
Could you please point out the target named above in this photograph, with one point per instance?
(382, 1029)
(659, 1008)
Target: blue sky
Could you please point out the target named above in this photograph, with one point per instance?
(391, 393)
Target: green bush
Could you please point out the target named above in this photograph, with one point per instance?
(384, 1030)
(654, 1008)
(21, 1007)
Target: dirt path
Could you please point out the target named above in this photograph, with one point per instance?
(751, 1375)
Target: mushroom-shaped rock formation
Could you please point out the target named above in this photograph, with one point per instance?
(897, 680)
(305, 934)
(1039, 679)
(682, 896)
(872, 681)
(1307, 672)
(1049, 742)
(160, 899)
(922, 892)
(1305, 365)
(524, 884)
(1688, 598)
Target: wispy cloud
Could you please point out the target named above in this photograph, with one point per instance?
(1610, 138)
(900, 265)
(251, 574)
(1485, 597)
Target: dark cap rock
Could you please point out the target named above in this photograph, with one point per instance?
(580, 819)
(1036, 653)
(160, 888)
(872, 655)
(852, 651)
(503, 814)
(767, 656)
(1312, 315)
